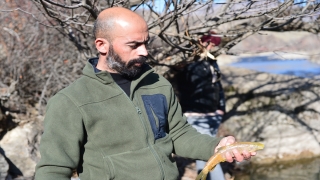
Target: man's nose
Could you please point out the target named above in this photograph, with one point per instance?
(142, 50)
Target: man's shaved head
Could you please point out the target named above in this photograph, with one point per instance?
(110, 19)
(103, 27)
(121, 39)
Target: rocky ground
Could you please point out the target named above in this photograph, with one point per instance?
(281, 111)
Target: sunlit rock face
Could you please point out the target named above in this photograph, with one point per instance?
(19, 147)
(281, 111)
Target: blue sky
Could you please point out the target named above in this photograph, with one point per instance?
(159, 4)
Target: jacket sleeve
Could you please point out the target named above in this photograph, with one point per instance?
(187, 141)
(61, 141)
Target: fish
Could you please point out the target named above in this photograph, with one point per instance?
(219, 156)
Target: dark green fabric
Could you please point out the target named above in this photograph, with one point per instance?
(94, 126)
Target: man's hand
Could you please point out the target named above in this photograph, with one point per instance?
(235, 154)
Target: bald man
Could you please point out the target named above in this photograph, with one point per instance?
(120, 120)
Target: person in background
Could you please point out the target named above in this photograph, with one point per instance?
(202, 98)
(120, 120)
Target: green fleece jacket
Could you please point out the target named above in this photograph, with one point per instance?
(93, 127)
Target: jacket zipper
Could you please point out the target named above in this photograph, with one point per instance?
(151, 147)
(147, 134)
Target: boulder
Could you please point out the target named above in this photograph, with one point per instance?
(4, 166)
(281, 111)
(20, 148)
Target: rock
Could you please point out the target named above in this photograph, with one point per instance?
(4, 167)
(20, 148)
(281, 111)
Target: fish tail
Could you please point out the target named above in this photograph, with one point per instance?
(203, 175)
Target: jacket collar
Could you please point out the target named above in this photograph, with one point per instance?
(105, 77)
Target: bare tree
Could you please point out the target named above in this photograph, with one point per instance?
(177, 25)
(37, 59)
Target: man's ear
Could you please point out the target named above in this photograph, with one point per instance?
(102, 45)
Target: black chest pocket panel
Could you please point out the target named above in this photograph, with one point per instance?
(156, 108)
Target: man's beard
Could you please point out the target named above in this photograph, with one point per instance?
(128, 70)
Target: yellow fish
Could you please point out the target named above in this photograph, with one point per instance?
(220, 155)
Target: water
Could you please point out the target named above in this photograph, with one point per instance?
(295, 170)
(297, 67)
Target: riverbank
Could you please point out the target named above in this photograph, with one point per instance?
(286, 45)
(278, 45)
